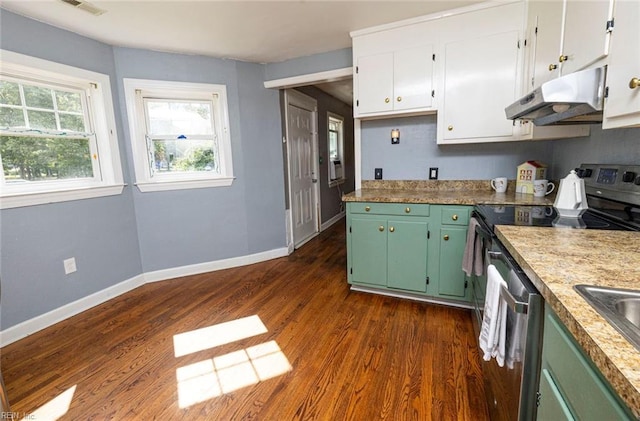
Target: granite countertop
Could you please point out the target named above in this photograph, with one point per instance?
(557, 259)
(466, 192)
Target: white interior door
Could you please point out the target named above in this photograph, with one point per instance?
(303, 167)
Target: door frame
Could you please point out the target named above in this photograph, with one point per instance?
(300, 100)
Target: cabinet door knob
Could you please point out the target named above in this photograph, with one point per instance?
(553, 67)
(386, 100)
(454, 217)
(367, 208)
(450, 128)
(446, 237)
(399, 99)
(407, 210)
(381, 228)
(563, 58)
(391, 229)
(634, 83)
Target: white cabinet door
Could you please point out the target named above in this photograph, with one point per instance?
(375, 83)
(480, 80)
(586, 37)
(413, 78)
(622, 106)
(545, 34)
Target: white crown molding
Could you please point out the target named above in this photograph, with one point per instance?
(311, 78)
(31, 326)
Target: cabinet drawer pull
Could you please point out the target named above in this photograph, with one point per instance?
(407, 210)
(391, 229)
(634, 83)
(553, 67)
(450, 128)
(386, 100)
(399, 99)
(381, 228)
(446, 237)
(367, 208)
(563, 58)
(454, 217)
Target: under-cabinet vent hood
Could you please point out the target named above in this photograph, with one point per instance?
(571, 99)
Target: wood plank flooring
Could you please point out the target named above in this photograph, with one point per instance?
(352, 356)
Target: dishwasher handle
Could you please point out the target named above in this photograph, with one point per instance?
(513, 303)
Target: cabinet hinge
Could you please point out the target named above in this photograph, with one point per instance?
(518, 44)
(609, 26)
(351, 271)
(536, 31)
(357, 69)
(357, 102)
(538, 397)
(525, 42)
(466, 284)
(428, 234)
(427, 280)
(433, 57)
(349, 228)
(433, 93)
(606, 92)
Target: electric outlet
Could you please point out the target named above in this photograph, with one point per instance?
(433, 173)
(378, 173)
(70, 265)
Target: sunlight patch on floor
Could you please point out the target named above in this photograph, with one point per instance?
(216, 335)
(222, 374)
(56, 407)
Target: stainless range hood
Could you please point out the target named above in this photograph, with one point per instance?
(571, 99)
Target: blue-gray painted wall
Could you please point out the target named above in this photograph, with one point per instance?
(331, 60)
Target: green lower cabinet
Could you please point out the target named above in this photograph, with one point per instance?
(368, 251)
(407, 255)
(452, 281)
(571, 386)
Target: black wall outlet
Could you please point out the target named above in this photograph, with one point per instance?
(378, 173)
(433, 173)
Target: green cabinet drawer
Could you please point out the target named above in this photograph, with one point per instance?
(586, 393)
(455, 215)
(375, 208)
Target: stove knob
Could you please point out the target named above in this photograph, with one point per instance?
(583, 172)
(637, 181)
(587, 172)
(628, 176)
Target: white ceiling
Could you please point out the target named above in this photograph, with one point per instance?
(254, 31)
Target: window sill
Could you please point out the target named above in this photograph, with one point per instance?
(40, 198)
(333, 183)
(186, 184)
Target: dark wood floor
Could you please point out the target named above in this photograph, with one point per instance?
(349, 355)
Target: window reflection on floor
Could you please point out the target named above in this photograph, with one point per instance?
(56, 407)
(222, 374)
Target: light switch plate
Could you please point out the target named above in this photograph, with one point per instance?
(70, 265)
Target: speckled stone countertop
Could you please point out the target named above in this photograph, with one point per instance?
(442, 192)
(557, 259)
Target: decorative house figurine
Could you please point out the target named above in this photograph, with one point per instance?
(527, 173)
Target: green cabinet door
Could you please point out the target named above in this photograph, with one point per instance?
(451, 279)
(368, 250)
(407, 258)
(552, 405)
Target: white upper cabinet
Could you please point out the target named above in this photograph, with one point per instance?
(622, 105)
(586, 33)
(394, 71)
(544, 41)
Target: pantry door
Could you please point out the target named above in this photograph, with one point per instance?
(302, 145)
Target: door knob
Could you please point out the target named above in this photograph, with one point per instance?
(407, 210)
(367, 208)
(450, 128)
(391, 229)
(446, 237)
(634, 83)
(454, 217)
(386, 100)
(399, 99)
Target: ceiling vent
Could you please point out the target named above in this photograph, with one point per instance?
(86, 6)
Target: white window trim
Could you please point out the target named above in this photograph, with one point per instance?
(342, 180)
(104, 123)
(144, 181)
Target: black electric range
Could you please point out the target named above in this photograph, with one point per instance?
(613, 196)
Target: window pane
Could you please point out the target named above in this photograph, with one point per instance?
(333, 146)
(11, 117)
(35, 96)
(9, 93)
(72, 122)
(27, 158)
(179, 118)
(184, 155)
(42, 120)
(68, 101)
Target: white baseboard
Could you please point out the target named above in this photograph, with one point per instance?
(332, 221)
(31, 326)
(164, 274)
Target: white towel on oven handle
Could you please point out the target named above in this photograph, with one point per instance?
(494, 322)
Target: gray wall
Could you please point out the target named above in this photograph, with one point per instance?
(332, 60)
(331, 197)
(116, 238)
(99, 233)
(418, 151)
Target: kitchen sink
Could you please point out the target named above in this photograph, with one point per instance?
(620, 307)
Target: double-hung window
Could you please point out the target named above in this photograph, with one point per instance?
(57, 133)
(336, 148)
(179, 134)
